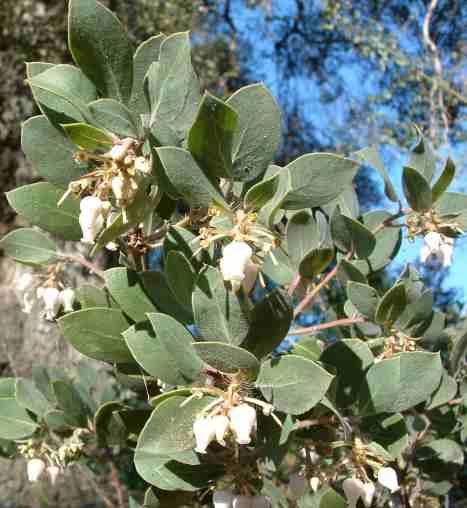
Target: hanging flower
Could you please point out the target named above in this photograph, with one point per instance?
(314, 483)
(124, 189)
(235, 258)
(298, 485)
(52, 302)
(369, 490)
(222, 499)
(205, 432)
(387, 477)
(35, 468)
(143, 165)
(67, 298)
(91, 218)
(53, 472)
(118, 152)
(221, 425)
(243, 423)
(353, 490)
(440, 246)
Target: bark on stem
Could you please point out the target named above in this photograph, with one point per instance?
(324, 326)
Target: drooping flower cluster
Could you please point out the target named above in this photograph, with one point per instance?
(37, 467)
(355, 489)
(54, 299)
(240, 421)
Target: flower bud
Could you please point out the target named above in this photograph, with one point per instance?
(35, 468)
(221, 425)
(222, 499)
(387, 477)
(242, 502)
(124, 189)
(368, 494)
(353, 490)
(205, 432)
(314, 483)
(243, 422)
(67, 297)
(143, 165)
(235, 258)
(91, 218)
(53, 472)
(118, 152)
(298, 485)
(52, 302)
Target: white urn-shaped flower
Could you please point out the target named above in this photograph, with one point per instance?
(235, 258)
(67, 298)
(387, 477)
(35, 468)
(205, 432)
(243, 423)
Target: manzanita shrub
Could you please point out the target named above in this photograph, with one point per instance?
(134, 159)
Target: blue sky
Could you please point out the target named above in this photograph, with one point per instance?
(253, 28)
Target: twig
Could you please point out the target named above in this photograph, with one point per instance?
(437, 66)
(324, 420)
(96, 488)
(293, 286)
(115, 480)
(86, 263)
(324, 326)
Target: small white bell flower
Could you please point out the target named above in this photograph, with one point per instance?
(124, 189)
(242, 502)
(118, 152)
(53, 472)
(235, 258)
(387, 477)
(353, 489)
(205, 432)
(35, 468)
(143, 165)
(67, 297)
(221, 425)
(440, 246)
(52, 302)
(260, 502)
(243, 423)
(91, 218)
(298, 485)
(368, 494)
(314, 483)
(222, 499)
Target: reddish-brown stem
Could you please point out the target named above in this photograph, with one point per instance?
(324, 326)
(308, 298)
(118, 487)
(325, 420)
(87, 264)
(293, 286)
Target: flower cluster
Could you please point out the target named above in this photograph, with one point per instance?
(355, 489)
(37, 467)
(110, 188)
(54, 299)
(240, 421)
